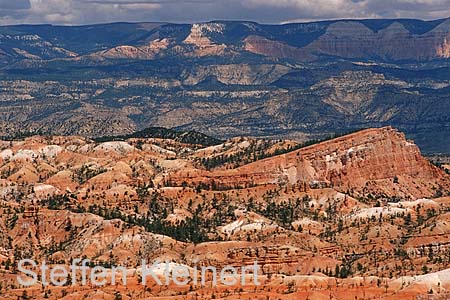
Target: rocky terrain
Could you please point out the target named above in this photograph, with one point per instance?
(361, 216)
(228, 79)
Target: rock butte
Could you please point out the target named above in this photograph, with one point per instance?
(364, 161)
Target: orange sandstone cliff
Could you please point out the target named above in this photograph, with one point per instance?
(379, 160)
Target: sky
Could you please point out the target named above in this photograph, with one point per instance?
(76, 12)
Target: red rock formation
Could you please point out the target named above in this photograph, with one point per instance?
(263, 46)
(142, 52)
(203, 44)
(381, 160)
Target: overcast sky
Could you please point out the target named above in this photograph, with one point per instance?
(187, 11)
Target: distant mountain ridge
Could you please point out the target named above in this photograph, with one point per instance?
(420, 40)
(297, 81)
(188, 137)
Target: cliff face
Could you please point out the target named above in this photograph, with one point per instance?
(132, 52)
(260, 45)
(353, 39)
(379, 161)
(203, 45)
(372, 156)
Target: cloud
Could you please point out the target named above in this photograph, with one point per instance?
(423, 9)
(14, 4)
(12, 10)
(183, 11)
